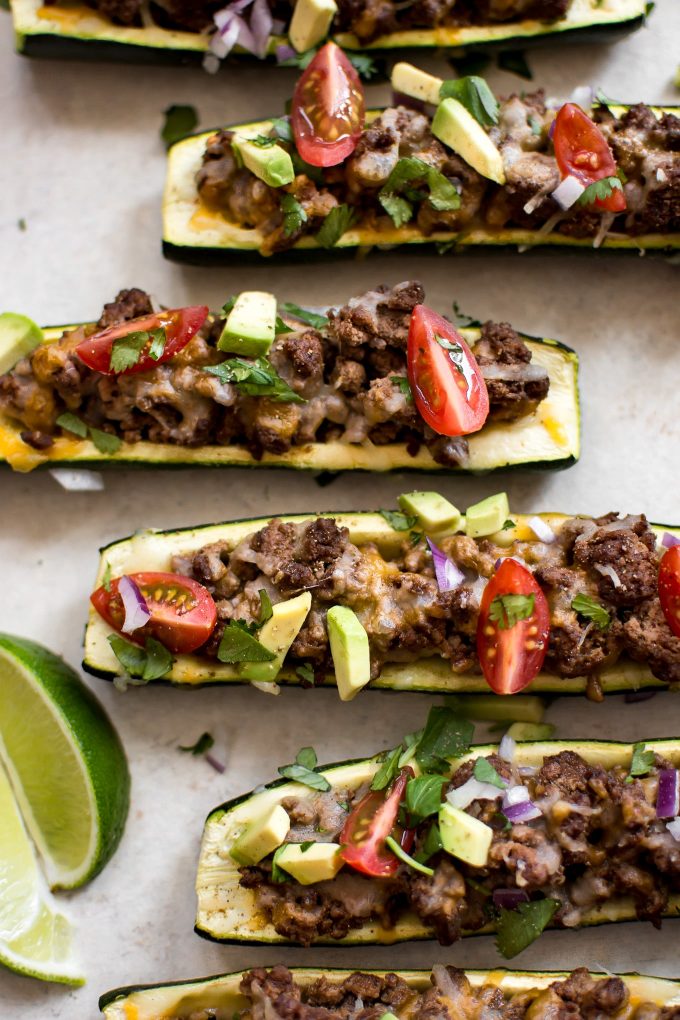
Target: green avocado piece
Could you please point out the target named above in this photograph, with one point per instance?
(456, 127)
(350, 651)
(463, 836)
(310, 23)
(271, 163)
(488, 516)
(411, 81)
(251, 325)
(318, 863)
(277, 635)
(261, 837)
(19, 335)
(433, 511)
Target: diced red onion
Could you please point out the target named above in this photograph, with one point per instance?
(284, 52)
(261, 26)
(448, 575)
(517, 805)
(668, 540)
(568, 191)
(136, 610)
(509, 899)
(542, 530)
(674, 829)
(233, 29)
(668, 794)
(78, 479)
(473, 789)
(507, 748)
(217, 765)
(608, 571)
(632, 697)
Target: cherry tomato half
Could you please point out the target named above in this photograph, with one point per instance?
(446, 382)
(183, 613)
(581, 151)
(368, 826)
(328, 110)
(179, 325)
(511, 656)
(669, 588)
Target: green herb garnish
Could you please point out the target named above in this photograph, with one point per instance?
(517, 929)
(257, 378)
(432, 844)
(406, 858)
(72, 423)
(507, 610)
(388, 770)
(600, 190)
(310, 318)
(127, 350)
(203, 744)
(305, 672)
(238, 645)
(397, 520)
(413, 180)
(486, 773)
(293, 214)
(266, 608)
(446, 735)
(586, 606)
(402, 382)
(105, 442)
(337, 222)
(475, 95)
(424, 797)
(304, 770)
(641, 762)
(148, 663)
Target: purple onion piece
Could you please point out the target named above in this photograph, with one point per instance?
(669, 540)
(401, 99)
(261, 21)
(525, 812)
(507, 748)
(668, 794)
(134, 604)
(509, 899)
(284, 52)
(632, 697)
(448, 575)
(217, 765)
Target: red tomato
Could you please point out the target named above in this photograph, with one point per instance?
(179, 324)
(183, 613)
(328, 110)
(669, 588)
(368, 826)
(511, 656)
(447, 385)
(581, 151)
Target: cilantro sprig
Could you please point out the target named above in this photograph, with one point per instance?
(486, 773)
(507, 610)
(105, 442)
(413, 180)
(202, 745)
(475, 95)
(293, 214)
(397, 520)
(600, 190)
(337, 222)
(593, 610)
(238, 644)
(151, 662)
(304, 770)
(256, 378)
(517, 929)
(305, 315)
(641, 762)
(127, 350)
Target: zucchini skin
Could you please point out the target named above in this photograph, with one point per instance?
(605, 752)
(426, 676)
(658, 990)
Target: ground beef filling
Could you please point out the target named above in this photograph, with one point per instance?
(611, 559)
(646, 148)
(351, 377)
(598, 839)
(275, 992)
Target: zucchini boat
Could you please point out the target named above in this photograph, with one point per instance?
(336, 413)
(233, 995)
(484, 862)
(75, 30)
(371, 561)
(469, 185)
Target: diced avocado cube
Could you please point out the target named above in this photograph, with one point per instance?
(271, 163)
(433, 511)
(463, 836)
(317, 863)
(277, 635)
(251, 325)
(350, 651)
(19, 335)
(261, 837)
(487, 516)
(456, 127)
(416, 83)
(310, 23)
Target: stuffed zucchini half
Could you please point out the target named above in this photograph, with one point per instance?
(408, 846)
(401, 601)
(405, 993)
(255, 385)
(88, 32)
(460, 172)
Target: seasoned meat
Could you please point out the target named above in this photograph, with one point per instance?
(624, 554)
(129, 304)
(515, 386)
(648, 638)
(439, 899)
(377, 319)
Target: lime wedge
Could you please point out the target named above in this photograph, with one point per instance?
(19, 335)
(35, 937)
(65, 762)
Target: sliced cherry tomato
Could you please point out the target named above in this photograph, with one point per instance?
(669, 588)
(368, 826)
(511, 651)
(446, 382)
(179, 325)
(183, 613)
(328, 110)
(581, 151)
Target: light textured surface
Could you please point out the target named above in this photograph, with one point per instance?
(81, 162)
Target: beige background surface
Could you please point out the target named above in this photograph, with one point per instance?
(82, 163)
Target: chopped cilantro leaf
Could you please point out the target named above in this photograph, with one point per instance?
(72, 423)
(486, 773)
(508, 525)
(263, 141)
(507, 610)
(601, 189)
(338, 222)
(402, 382)
(515, 62)
(229, 304)
(517, 929)
(157, 347)
(365, 66)
(105, 441)
(179, 122)
(399, 521)
(293, 214)
(586, 606)
(305, 672)
(282, 129)
(148, 663)
(314, 319)
(446, 735)
(306, 757)
(433, 843)
(388, 769)
(237, 645)
(257, 378)
(127, 350)
(304, 770)
(301, 60)
(417, 180)
(640, 763)
(203, 744)
(424, 797)
(398, 209)
(406, 858)
(266, 608)
(281, 327)
(475, 95)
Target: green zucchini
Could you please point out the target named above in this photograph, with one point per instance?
(154, 550)
(226, 911)
(548, 439)
(76, 31)
(194, 234)
(179, 1000)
